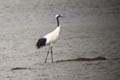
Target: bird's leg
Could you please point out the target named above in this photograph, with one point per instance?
(51, 54)
(47, 55)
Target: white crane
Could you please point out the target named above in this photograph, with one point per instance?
(50, 38)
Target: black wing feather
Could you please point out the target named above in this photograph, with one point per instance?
(41, 42)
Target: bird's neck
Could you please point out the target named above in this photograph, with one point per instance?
(58, 23)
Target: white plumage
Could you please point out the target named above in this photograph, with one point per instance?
(50, 38)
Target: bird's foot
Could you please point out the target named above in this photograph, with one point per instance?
(52, 61)
(44, 61)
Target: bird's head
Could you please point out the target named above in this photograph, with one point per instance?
(58, 15)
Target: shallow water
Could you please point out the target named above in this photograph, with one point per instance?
(88, 29)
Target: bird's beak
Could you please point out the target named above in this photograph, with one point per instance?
(62, 16)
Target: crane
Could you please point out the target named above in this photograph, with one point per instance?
(50, 38)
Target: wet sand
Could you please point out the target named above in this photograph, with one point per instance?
(89, 29)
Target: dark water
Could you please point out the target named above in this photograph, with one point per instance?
(88, 29)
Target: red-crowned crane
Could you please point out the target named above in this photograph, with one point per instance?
(50, 38)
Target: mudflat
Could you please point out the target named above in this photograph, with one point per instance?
(88, 29)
